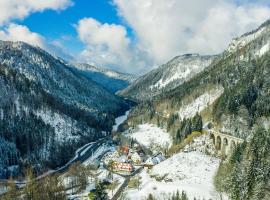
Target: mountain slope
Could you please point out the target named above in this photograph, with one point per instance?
(46, 109)
(232, 95)
(167, 77)
(232, 92)
(111, 80)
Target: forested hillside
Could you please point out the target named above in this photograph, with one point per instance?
(233, 89)
(247, 174)
(47, 110)
(231, 95)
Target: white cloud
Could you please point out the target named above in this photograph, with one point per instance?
(162, 26)
(104, 37)
(11, 10)
(108, 45)
(15, 32)
(166, 28)
(19, 9)
(224, 22)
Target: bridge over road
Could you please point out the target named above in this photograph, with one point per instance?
(223, 142)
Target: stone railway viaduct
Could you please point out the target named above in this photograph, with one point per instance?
(224, 143)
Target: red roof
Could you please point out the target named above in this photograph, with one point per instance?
(125, 149)
(123, 166)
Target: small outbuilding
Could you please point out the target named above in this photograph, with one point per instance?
(136, 158)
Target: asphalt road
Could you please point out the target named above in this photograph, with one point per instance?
(125, 184)
(82, 155)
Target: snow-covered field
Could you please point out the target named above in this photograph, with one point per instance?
(152, 136)
(200, 103)
(99, 152)
(192, 172)
(120, 120)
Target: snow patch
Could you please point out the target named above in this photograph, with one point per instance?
(181, 70)
(152, 136)
(98, 153)
(200, 103)
(265, 48)
(242, 41)
(120, 120)
(63, 126)
(192, 172)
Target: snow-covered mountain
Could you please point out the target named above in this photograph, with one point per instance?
(232, 91)
(231, 96)
(244, 40)
(111, 80)
(47, 109)
(167, 76)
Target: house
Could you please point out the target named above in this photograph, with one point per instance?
(150, 162)
(136, 158)
(159, 158)
(120, 166)
(124, 150)
(122, 159)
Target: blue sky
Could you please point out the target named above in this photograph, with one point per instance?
(55, 25)
(129, 36)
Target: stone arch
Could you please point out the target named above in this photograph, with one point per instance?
(212, 137)
(232, 145)
(225, 144)
(218, 143)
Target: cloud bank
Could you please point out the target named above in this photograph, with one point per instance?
(166, 28)
(108, 45)
(151, 33)
(19, 9)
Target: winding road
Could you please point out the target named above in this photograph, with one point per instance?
(81, 155)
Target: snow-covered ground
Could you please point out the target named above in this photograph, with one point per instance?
(192, 172)
(3, 189)
(265, 48)
(239, 42)
(200, 103)
(61, 123)
(116, 178)
(99, 152)
(151, 136)
(101, 174)
(120, 120)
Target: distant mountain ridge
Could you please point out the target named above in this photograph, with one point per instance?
(167, 76)
(109, 79)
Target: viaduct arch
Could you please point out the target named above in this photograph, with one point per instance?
(224, 143)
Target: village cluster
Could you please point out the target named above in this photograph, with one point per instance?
(126, 159)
